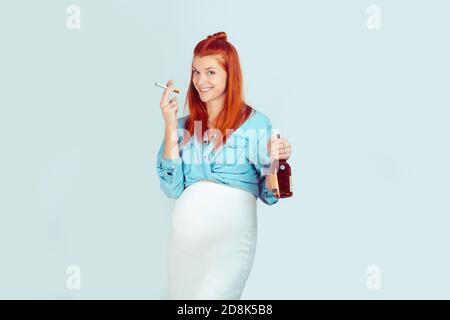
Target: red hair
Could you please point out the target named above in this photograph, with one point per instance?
(235, 110)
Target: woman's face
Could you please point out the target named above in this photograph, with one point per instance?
(209, 78)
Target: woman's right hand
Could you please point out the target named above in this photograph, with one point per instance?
(169, 108)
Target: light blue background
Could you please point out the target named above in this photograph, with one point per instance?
(366, 111)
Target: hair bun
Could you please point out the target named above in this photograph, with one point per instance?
(218, 36)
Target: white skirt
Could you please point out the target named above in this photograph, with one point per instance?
(212, 242)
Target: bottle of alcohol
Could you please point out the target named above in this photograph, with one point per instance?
(281, 180)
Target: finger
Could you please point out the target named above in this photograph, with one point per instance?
(174, 103)
(278, 146)
(274, 155)
(284, 144)
(282, 141)
(167, 91)
(173, 100)
(280, 156)
(167, 107)
(169, 103)
(274, 138)
(285, 151)
(170, 107)
(281, 152)
(279, 142)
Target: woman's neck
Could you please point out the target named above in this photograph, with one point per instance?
(213, 108)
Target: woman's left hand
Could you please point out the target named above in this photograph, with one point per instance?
(280, 148)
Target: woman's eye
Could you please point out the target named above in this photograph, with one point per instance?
(212, 72)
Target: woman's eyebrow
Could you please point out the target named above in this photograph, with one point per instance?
(205, 69)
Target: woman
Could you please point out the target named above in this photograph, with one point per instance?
(214, 162)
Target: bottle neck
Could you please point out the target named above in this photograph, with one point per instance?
(278, 163)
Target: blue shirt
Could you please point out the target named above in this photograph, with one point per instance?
(242, 162)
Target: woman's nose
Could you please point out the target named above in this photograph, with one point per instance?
(202, 80)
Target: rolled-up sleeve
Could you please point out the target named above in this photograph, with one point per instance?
(266, 196)
(171, 175)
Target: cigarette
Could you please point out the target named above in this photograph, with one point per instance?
(165, 87)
